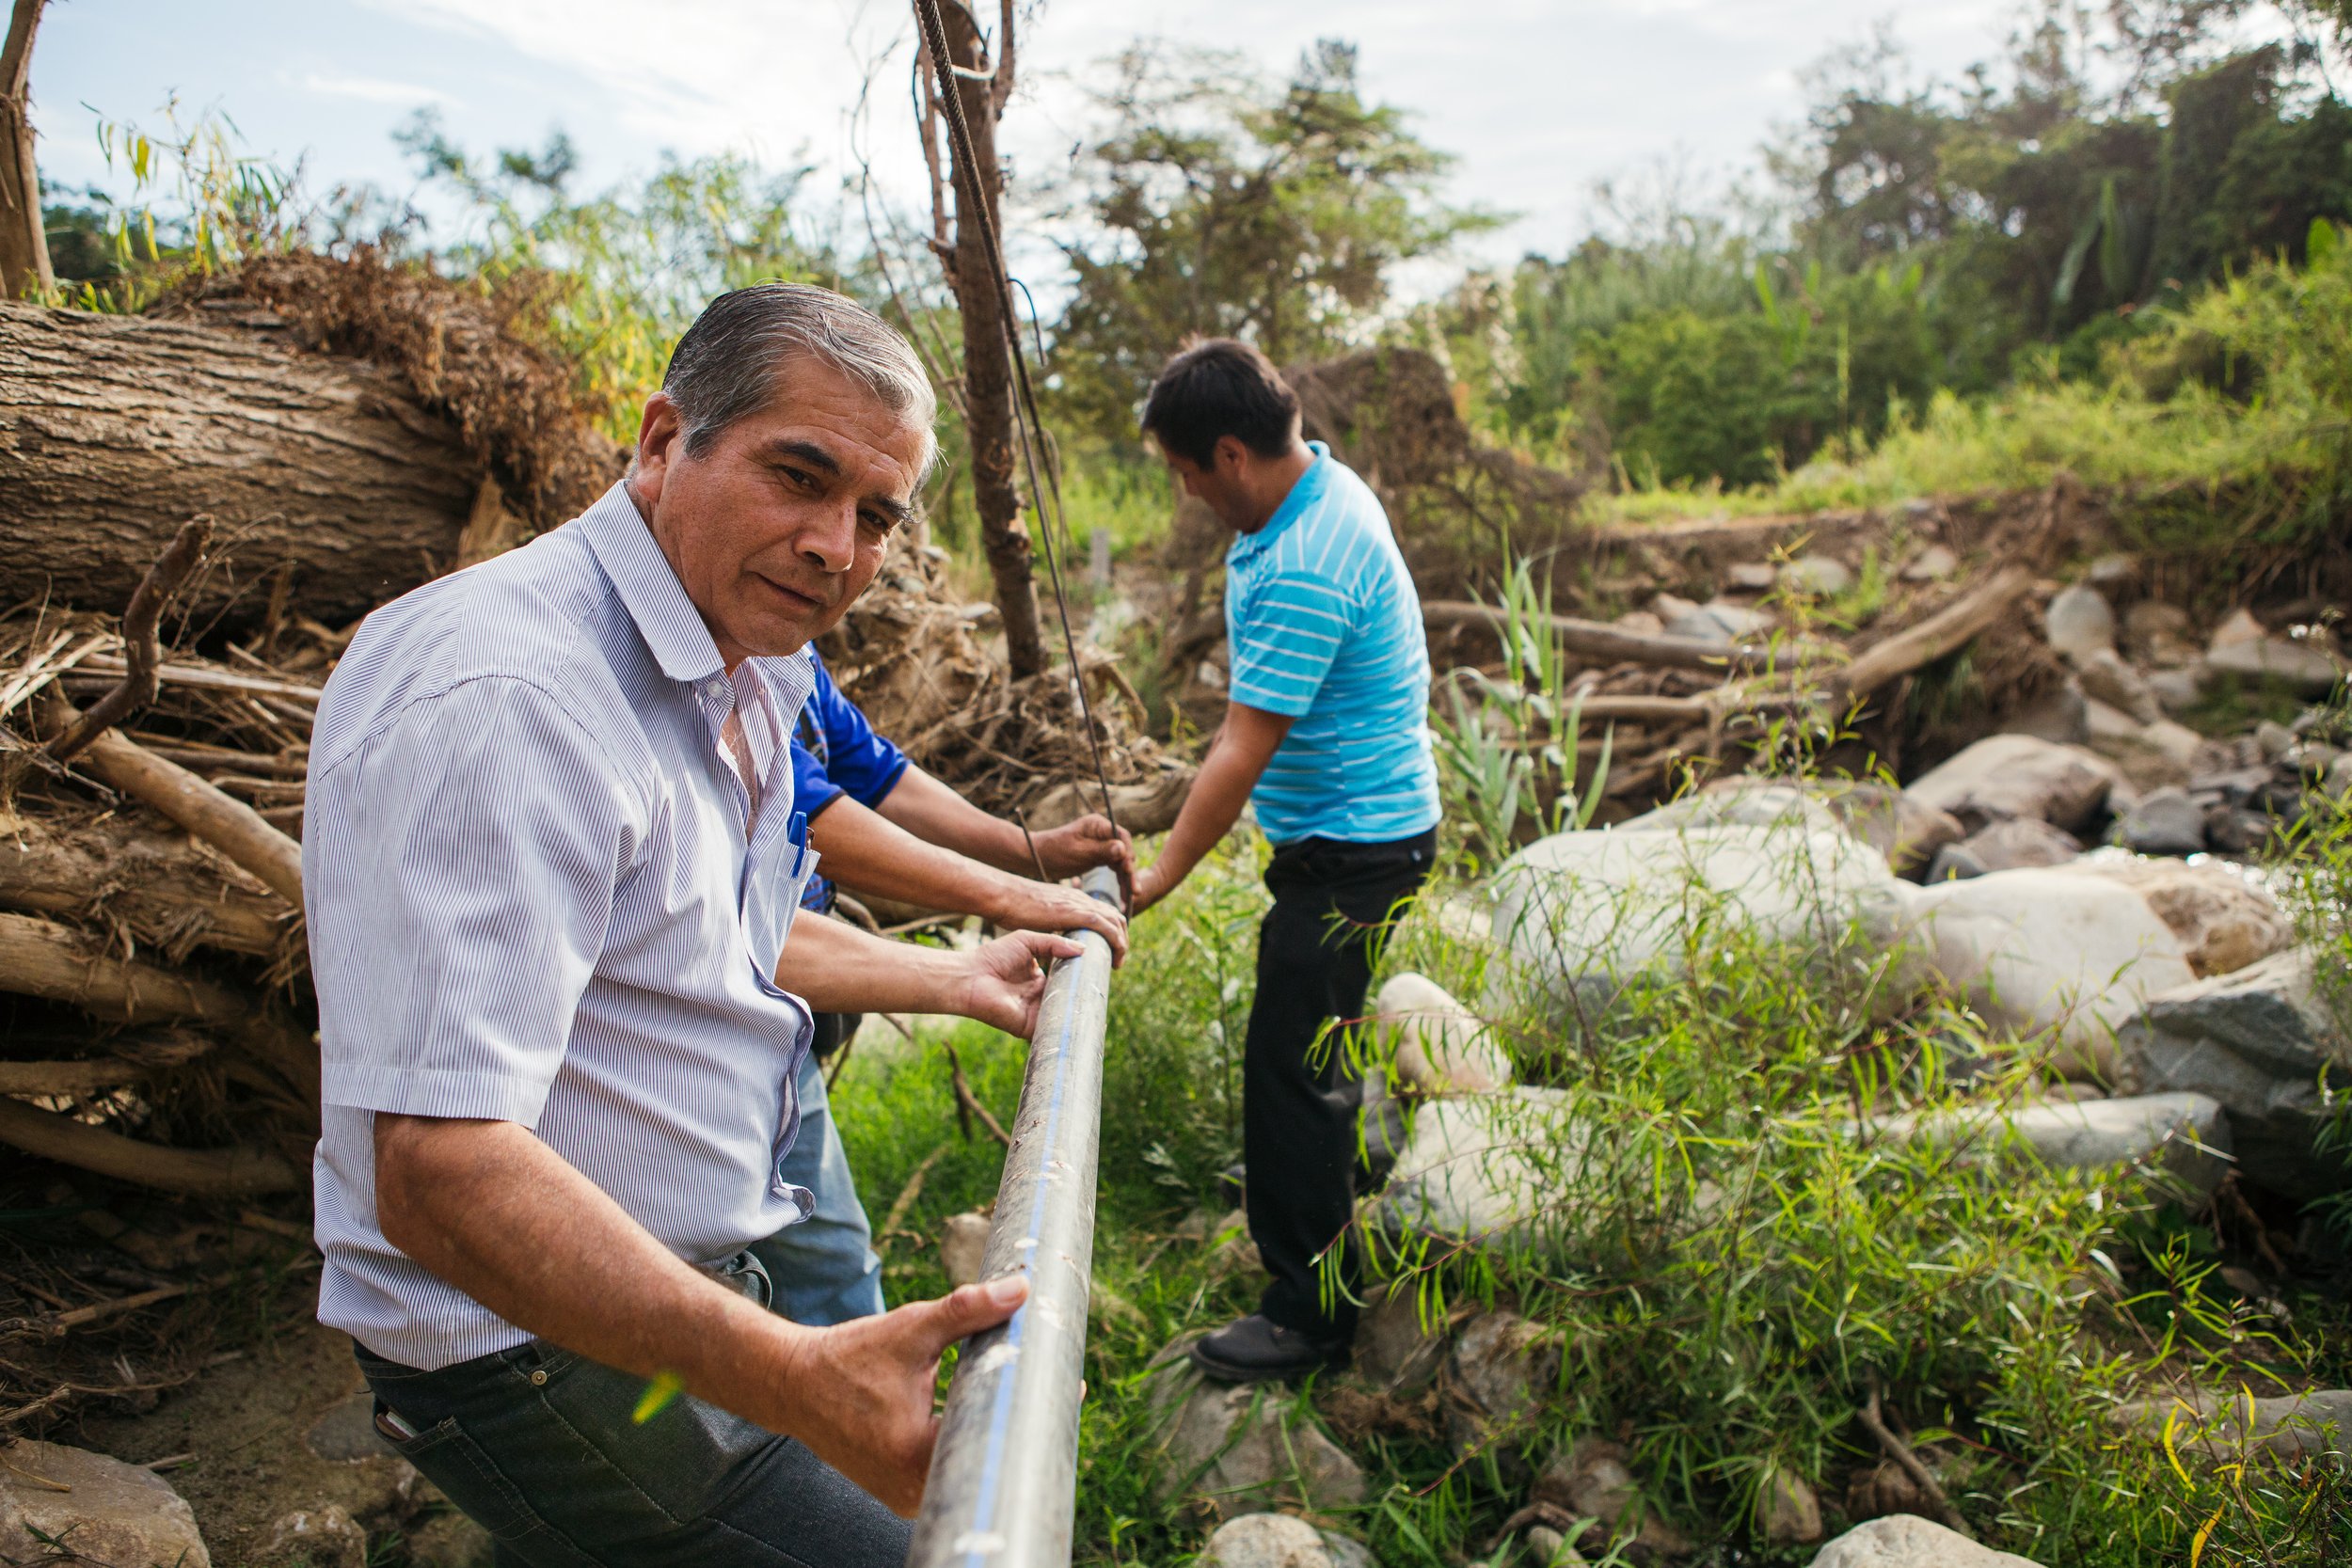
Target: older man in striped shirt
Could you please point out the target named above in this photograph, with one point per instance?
(552, 863)
(1327, 735)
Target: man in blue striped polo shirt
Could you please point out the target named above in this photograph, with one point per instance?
(1326, 734)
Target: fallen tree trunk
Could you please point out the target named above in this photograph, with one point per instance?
(1946, 631)
(115, 430)
(38, 957)
(157, 886)
(1606, 644)
(201, 1172)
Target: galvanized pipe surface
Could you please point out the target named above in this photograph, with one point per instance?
(1004, 1480)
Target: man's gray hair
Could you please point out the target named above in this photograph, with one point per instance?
(725, 367)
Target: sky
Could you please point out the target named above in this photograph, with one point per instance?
(1538, 99)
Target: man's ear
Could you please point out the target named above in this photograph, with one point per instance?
(660, 438)
(1232, 455)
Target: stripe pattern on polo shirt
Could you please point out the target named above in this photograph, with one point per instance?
(1323, 625)
(537, 893)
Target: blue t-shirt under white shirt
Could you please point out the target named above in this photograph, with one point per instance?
(1323, 625)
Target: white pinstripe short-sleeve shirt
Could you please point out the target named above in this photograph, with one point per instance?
(531, 899)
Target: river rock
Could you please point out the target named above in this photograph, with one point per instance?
(1818, 575)
(1788, 1510)
(2052, 955)
(1739, 801)
(1236, 1446)
(1932, 564)
(2160, 634)
(2178, 691)
(2223, 918)
(1907, 1541)
(1749, 577)
(1591, 1480)
(2257, 1041)
(2151, 757)
(2221, 1427)
(1582, 912)
(2108, 679)
(2302, 667)
(1395, 1351)
(2235, 629)
(2164, 822)
(2181, 1136)
(962, 1245)
(2060, 715)
(1720, 621)
(2079, 622)
(1281, 1541)
(1548, 1548)
(1486, 1170)
(2015, 775)
(325, 1537)
(1502, 1370)
(1439, 1046)
(1954, 862)
(108, 1512)
(450, 1540)
(2019, 843)
(1905, 830)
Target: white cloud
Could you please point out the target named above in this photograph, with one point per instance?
(369, 89)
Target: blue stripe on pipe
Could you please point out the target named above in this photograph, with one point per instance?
(1000, 1418)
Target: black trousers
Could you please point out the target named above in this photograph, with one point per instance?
(1316, 948)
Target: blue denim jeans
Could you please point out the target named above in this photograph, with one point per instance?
(538, 1446)
(824, 1267)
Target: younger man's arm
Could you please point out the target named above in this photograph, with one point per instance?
(1237, 758)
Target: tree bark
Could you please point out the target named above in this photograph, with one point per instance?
(23, 242)
(201, 1172)
(986, 309)
(115, 430)
(159, 887)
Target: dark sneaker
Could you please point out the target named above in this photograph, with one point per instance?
(1259, 1350)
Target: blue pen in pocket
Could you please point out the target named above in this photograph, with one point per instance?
(796, 834)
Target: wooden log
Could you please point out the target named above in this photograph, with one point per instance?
(199, 1172)
(115, 430)
(39, 958)
(1946, 631)
(166, 891)
(68, 1078)
(1603, 643)
(229, 825)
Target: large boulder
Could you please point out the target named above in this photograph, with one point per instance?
(2055, 956)
(1439, 1046)
(2224, 917)
(1591, 1480)
(2017, 775)
(1584, 912)
(2181, 1137)
(2107, 679)
(2257, 1041)
(2163, 822)
(103, 1509)
(1907, 832)
(1487, 1170)
(1907, 1541)
(2225, 1427)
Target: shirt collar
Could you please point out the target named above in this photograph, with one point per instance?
(1303, 494)
(666, 618)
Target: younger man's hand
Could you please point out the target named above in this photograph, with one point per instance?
(1083, 845)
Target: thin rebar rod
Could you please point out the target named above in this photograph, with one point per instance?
(1004, 1478)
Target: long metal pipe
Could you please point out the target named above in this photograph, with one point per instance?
(1004, 1480)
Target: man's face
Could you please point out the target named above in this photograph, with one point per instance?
(782, 521)
(1218, 486)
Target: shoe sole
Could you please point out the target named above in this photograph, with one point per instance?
(1229, 1371)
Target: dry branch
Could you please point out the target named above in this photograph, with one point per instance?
(1900, 1451)
(38, 957)
(151, 883)
(229, 826)
(1944, 632)
(203, 1173)
(142, 655)
(1603, 643)
(66, 1078)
